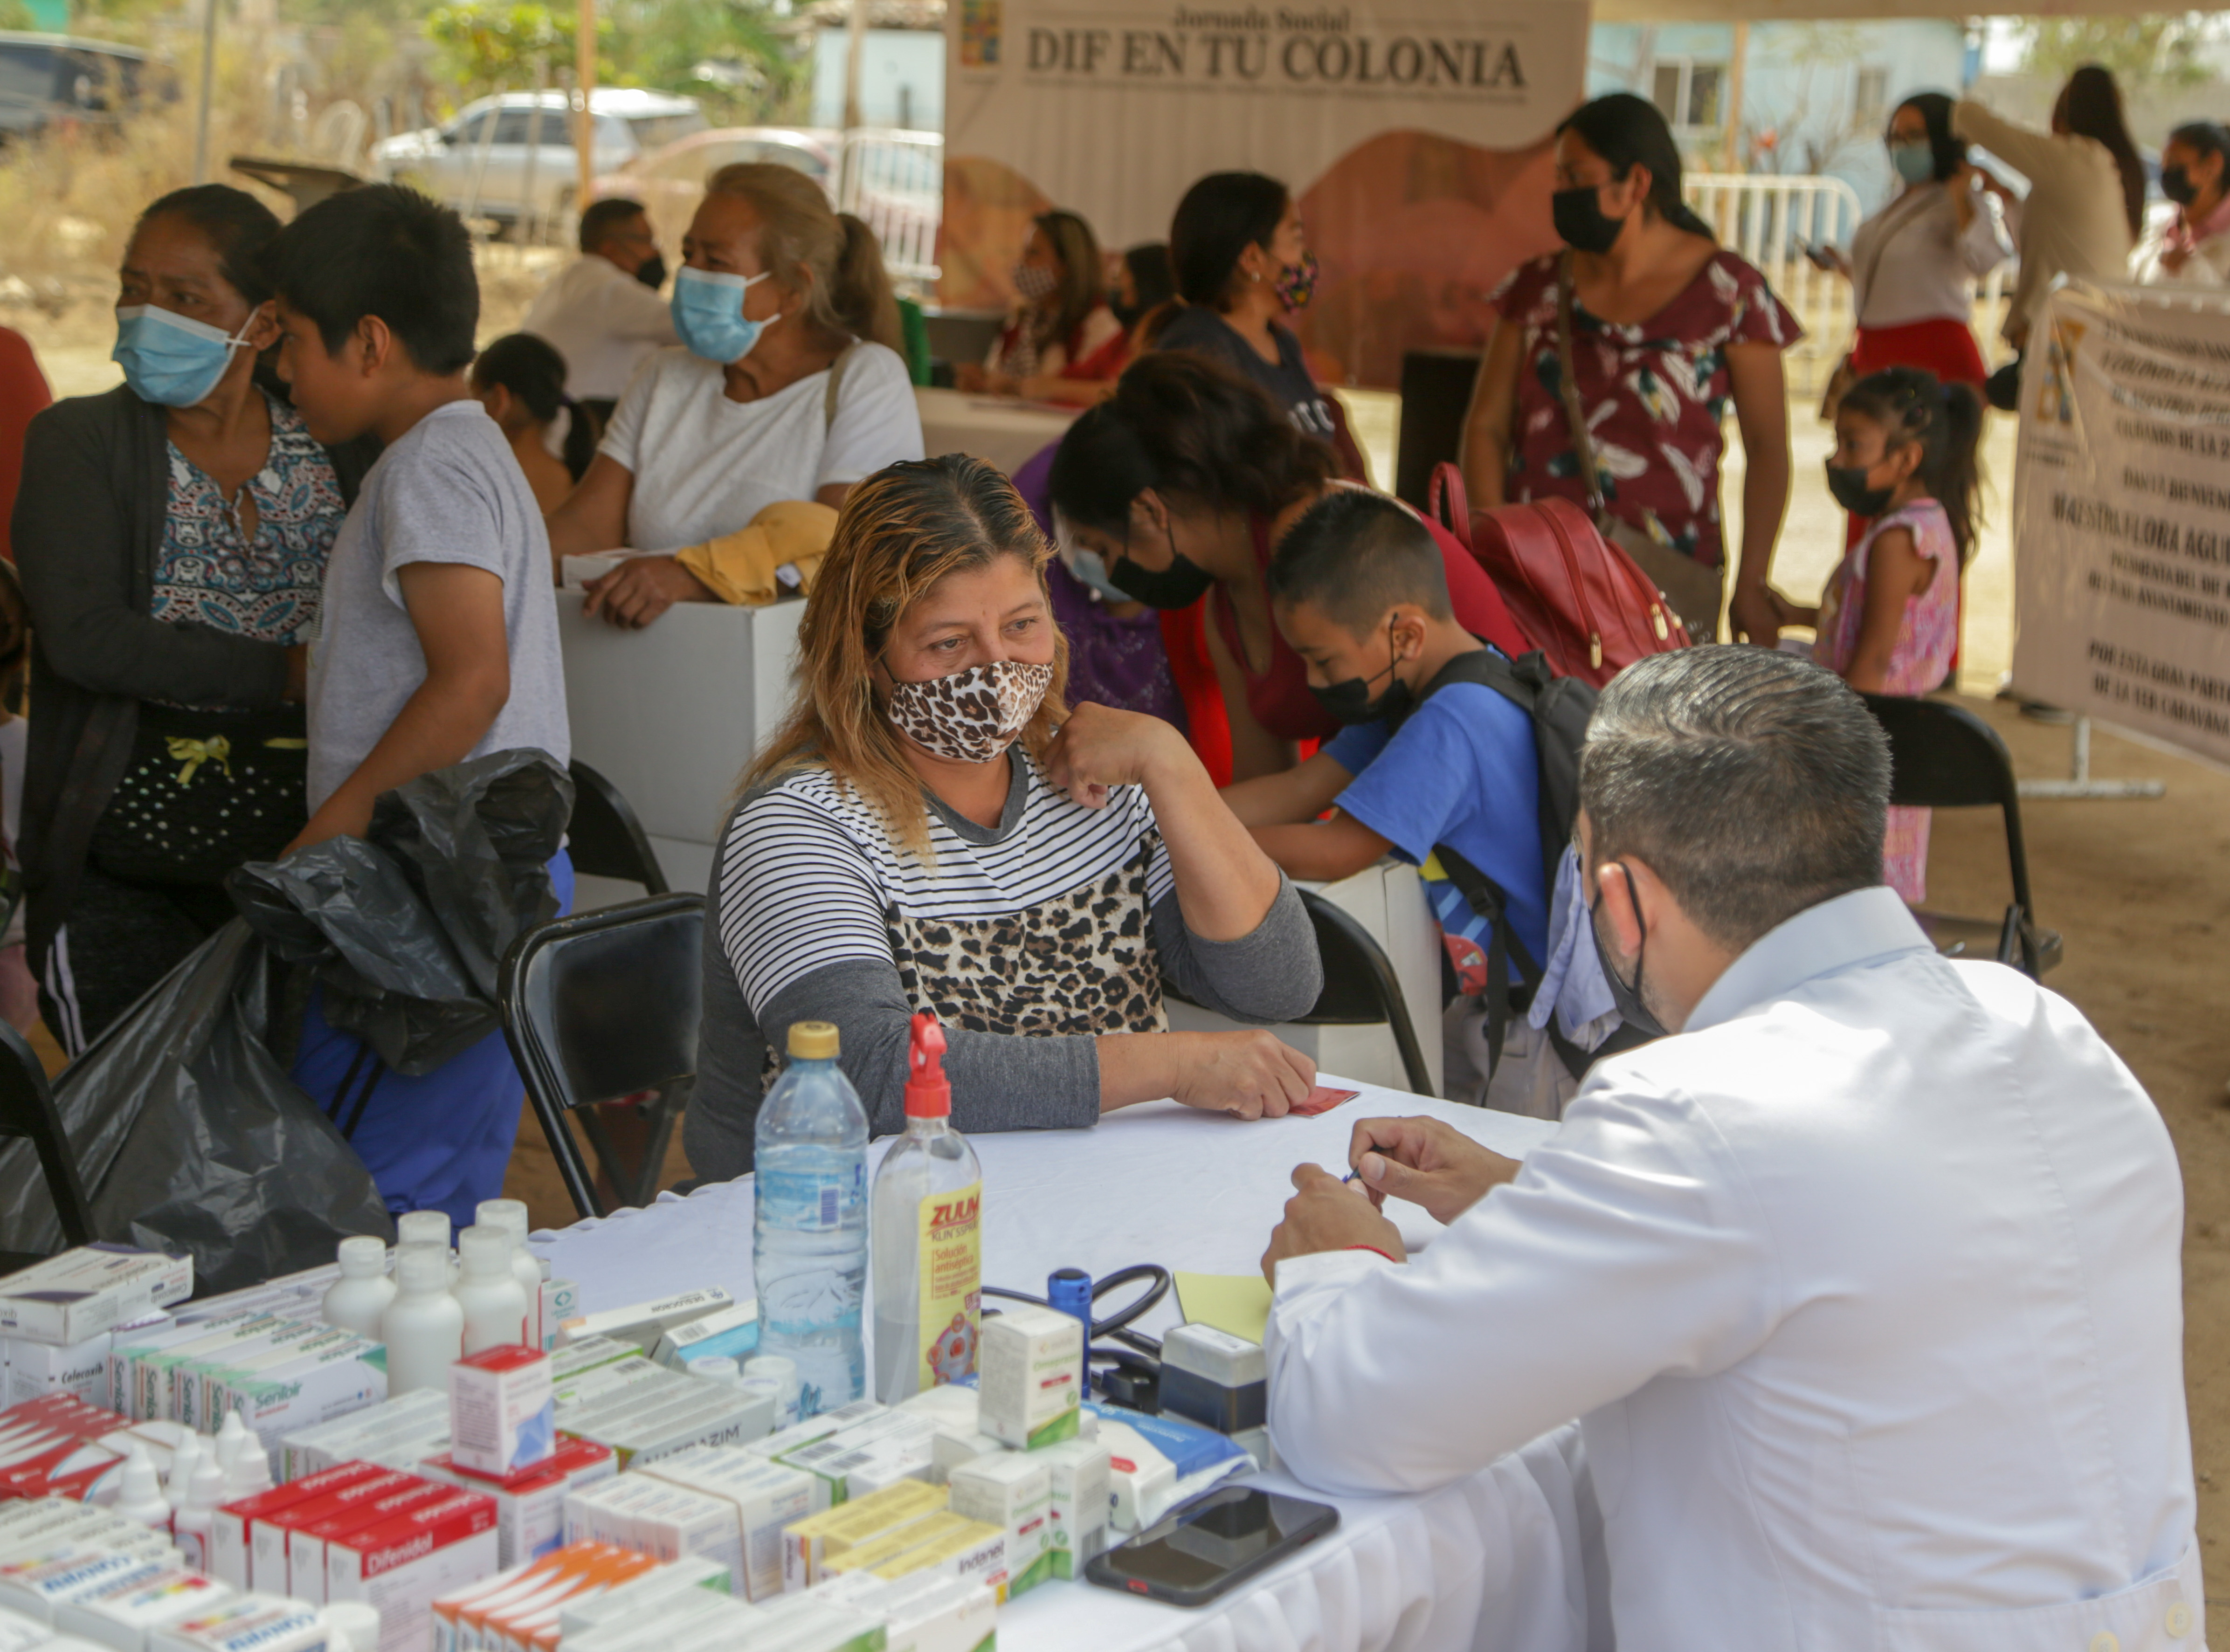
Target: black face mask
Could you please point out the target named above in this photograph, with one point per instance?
(1349, 703)
(2177, 185)
(1126, 314)
(1179, 585)
(651, 272)
(1631, 1009)
(1581, 223)
(1847, 483)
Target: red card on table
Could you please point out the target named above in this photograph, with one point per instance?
(1321, 1100)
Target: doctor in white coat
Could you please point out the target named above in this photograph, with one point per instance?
(1865, 1286)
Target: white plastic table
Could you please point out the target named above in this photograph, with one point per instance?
(1489, 1563)
(1008, 433)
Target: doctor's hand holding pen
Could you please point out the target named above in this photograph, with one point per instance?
(1427, 1163)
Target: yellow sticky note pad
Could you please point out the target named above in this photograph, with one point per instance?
(1239, 1303)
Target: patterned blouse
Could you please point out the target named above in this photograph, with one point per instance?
(210, 574)
(1655, 394)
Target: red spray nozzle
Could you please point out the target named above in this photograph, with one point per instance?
(928, 1096)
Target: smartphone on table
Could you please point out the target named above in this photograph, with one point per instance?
(1194, 1554)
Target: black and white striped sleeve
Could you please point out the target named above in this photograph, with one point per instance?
(797, 894)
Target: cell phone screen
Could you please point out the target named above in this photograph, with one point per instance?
(1213, 1541)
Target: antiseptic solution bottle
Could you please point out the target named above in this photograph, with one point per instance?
(809, 1249)
(361, 1295)
(424, 1325)
(928, 1228)
(495, 1307)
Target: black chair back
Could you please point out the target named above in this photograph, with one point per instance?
(1360, 988)
(604, 838)
(26, 1113)
(600, 1007)
(1943, 756)
(1436, 394)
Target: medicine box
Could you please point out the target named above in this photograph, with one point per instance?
(501, 1410)
(1013, 1491)
(424, 1414)
(925, 1612)
(731, 1332)
(766, 1498)
(79, 1369)
(245, 1624)
(1081, 1490)
(559, 1300)
(73, 1298)
(34, 1586)
(1031, 1378)
(529, 1505)
(641, 1323)
(663, 1519)
(974, 1550)
(569, 1362)
(123, 1614)
(189, 1378)
(270, 1565)
(642, 1594)
(232, 1529)
(310, 1536)
(399, 1567)
(959, 1437)
(836, 1530)
(875, 1452)
(1214, 1379)
(783, 1441)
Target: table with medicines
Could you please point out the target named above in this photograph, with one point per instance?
(1487, 1562)
(1009, 433)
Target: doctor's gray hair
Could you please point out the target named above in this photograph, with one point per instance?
(1755, 784)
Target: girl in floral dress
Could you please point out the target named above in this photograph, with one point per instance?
(1888, 622)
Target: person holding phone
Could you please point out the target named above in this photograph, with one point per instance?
(1864, 1282)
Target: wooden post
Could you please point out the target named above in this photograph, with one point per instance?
(1733, 160)
(584, 59)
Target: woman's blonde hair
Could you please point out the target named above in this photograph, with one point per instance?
(830, 258)
(900, 531)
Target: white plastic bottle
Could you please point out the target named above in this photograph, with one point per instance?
(427, 1227)
(229, 1438)
(717, 1367)
(361, 1295)
(928, 1227)
(352, 1625)
(510, 1215)
(782, 1371)
(140, 1496)
(185, 1457)
(250, 1472)
(191, 1525)
(424, 1325)
(495, 1307)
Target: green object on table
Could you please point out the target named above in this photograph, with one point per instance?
(1239, 1303)
(915, 330)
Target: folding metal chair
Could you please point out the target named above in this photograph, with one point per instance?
(26, 1113)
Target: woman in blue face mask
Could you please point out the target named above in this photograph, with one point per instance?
(788, 384)
(172, 536)
(1913, 265)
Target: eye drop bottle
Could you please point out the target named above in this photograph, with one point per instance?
(928, 1237)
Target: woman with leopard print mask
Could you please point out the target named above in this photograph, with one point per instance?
(932, 830)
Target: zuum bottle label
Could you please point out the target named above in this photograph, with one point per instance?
(950, 1246)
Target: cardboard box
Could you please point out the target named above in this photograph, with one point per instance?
(309, 1542)
(559, 1300)
(1013, 1491)
(501, 1417)
(530, 1504)
(36, 1585)
(878, 1452)
(661, 1519)
(72, 1298)
(37, 1368)
(1031, 1376)
(642, 1323)
(765, 1498)
(194, 1400)
(122, 1615)
(733, 1332)
(1082, 1492)
(232, 1530)
(807, 1543)
(976, 1552)
(643, 1594)
(366, 1434)
(926, 1612)
(245, 1623)
(402, 1565)
(270, 1556)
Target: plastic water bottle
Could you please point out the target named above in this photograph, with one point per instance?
(810, 1247)
(928, 1225)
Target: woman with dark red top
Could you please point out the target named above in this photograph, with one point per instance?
(1183, 486)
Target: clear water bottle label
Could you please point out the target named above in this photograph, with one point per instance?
(813, 1201)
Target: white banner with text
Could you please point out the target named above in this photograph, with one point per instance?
(2121, 514)
(1416, 134)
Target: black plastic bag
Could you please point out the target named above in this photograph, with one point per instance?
(405, 928)
(194, 1140)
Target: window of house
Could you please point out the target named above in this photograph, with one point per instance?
(1870, 104)
(1690, 93)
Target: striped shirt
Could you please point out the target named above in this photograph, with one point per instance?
(811, 877)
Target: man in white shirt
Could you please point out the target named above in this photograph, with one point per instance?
(1864, 1287)
(602, 312)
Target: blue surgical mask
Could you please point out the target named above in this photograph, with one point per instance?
(1915, 163)
(1091, 572)
(708, 313)
(169, 359)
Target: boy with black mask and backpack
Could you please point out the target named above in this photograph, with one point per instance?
(1453, 758)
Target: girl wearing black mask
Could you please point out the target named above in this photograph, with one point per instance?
(1243, 268)
(1183, 485)
(1665, 328)
(2193, 249)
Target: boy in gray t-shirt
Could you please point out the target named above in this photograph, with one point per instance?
(439, 638)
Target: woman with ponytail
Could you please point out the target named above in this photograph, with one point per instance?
(1888, 622)
(1663, 328)
(788, 387)
(521, 380)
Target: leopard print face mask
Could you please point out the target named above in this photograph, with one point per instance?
(971, 716)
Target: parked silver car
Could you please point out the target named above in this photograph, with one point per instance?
(486, 161)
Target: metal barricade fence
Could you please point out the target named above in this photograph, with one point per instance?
(1770, 220)
(893, 181)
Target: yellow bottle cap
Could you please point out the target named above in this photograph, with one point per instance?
(813, 1040)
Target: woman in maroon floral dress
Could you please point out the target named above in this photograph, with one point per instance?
(1668, 329)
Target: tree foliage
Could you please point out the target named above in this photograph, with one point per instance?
(732, 54)
(2161, 50)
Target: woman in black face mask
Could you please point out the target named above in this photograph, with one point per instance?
(1662, 327)
(1183, 484)
(2193, 249)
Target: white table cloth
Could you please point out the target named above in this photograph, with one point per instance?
(1008, 433)
(1491, 1562)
